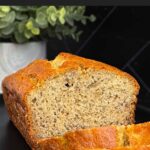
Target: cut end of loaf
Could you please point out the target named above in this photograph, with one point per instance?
(81, 98)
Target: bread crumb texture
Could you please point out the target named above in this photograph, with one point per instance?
(81, 98)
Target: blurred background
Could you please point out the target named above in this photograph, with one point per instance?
(120, 36)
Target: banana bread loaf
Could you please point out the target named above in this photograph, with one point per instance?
(48, 98)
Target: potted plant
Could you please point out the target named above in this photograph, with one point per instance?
(24, 31)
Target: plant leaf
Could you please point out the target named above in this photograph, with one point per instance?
(70, 21)
(20, 8)
(21, 16)
(51, 21)
(41, 20)
(5, 9)
(28, 34)
(2, 14)
(84, 21)
(51, 9)
(42, 9)
(3, 24)
(8, 30)
(21, 26)
(32, 8)
(20, 38)
(80, 10)
(10, 17)
(53, 17)
(59, 36)
(92, 18)
(35, 31)
(29, 25)
(62, 13)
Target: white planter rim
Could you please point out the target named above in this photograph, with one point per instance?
(23, 43)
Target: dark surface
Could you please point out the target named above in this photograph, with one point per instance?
(120, 37)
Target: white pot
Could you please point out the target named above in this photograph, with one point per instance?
(15, 56)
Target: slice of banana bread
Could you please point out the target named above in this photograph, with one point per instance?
(49, 98)
(109, 137)
(140, 147)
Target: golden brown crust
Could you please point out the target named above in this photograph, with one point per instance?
(17, 86)
(104, 137)
(139, 134)
(141, 147)
(56, 143)
(100, 139)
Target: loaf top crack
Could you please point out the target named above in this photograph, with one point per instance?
(49, 98)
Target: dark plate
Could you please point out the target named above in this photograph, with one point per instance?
(11, 139)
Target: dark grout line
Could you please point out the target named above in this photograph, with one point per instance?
(136, 55)
(139, 78)
(94, 32)
(144, 108)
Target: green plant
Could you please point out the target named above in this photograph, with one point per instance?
(23, 23)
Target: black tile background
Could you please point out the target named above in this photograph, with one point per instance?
(121, 37)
